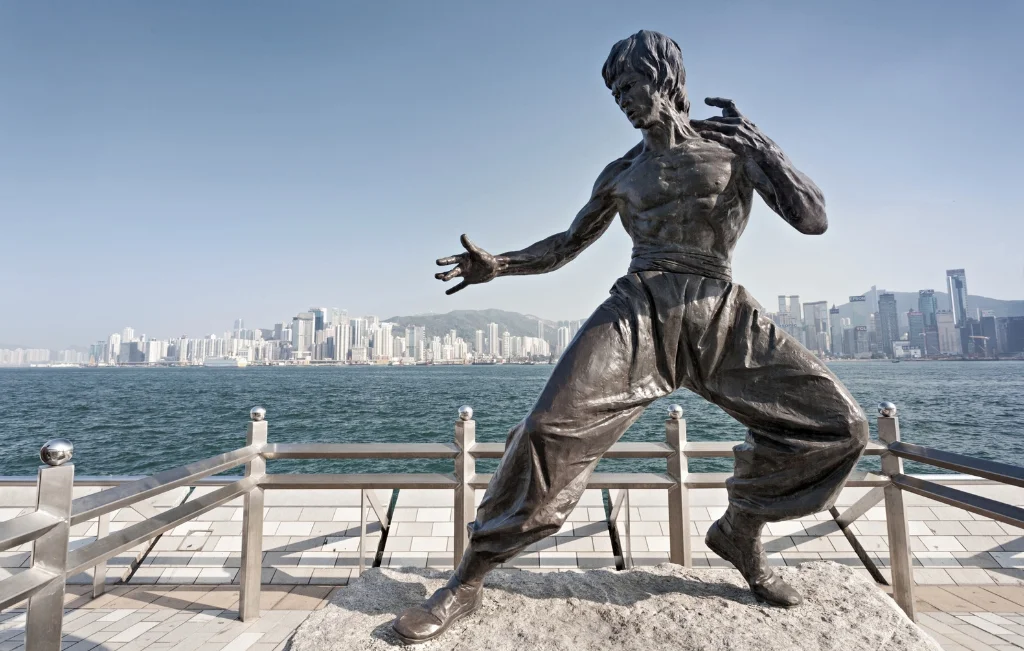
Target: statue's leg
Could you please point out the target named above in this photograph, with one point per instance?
(600, 385)
(805, 431)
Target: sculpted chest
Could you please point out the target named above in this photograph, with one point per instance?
(682, 174)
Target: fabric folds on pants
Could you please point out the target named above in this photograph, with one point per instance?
(658, 332)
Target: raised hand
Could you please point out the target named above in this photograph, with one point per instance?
(733, 130)
(474, 266)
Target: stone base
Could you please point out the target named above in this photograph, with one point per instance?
(663, 607)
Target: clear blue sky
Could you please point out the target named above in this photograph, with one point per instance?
(175, 165)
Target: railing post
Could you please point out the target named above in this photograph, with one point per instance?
(465, 468)
(50, 551)
(251, 572)
(680, 551)
(895, 513)
(99, 572)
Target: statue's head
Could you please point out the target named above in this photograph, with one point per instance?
(646, 76)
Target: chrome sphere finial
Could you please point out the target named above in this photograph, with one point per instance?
(886, 409)
(675, 412)
(465, 412)
(56, 452)
(257, 414)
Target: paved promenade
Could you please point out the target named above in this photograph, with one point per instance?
(969, 570)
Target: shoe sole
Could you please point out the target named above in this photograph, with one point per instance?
(441, 631)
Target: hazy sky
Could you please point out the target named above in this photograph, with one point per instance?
(175, 165)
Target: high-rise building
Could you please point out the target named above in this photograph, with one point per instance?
(928, 307)
(563, 340)
(492, 340)
(816, 326)
(1014, 334)
(303, 325)
(128, 334)
(956, 281)
(888, 322)
(783, 304)
(794, 309)
(948, 335)
(835, 331)
(506, 345)
(342, 340)
(540, 329)
(991, 338)
(478, 341)
(916, 329)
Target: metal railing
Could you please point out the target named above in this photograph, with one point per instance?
(48, 526)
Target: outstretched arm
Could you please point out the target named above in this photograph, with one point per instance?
(478, 266)
(785, 189)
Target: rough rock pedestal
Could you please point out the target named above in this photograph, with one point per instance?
(648, 609)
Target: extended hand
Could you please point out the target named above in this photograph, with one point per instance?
(733, 130)
(474, 266)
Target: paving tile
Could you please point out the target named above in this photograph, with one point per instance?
(969, 576)
(428, 544)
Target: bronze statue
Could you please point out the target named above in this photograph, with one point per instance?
(674, 320)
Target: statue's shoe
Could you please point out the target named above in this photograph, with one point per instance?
(749, 558)
(434, 616)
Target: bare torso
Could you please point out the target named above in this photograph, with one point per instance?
(690, 200)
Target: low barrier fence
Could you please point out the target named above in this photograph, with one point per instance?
(48, 526)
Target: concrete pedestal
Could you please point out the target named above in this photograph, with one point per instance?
(664, 607)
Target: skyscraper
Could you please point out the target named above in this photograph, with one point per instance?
(888, 322)
(493, 342)
(794, 309)
(478, 341)
(949, 336)
(835, 328)
(563, 340)
(916, 329)
(816, 325)
(956, 281)
(929, 307)
(302, 334)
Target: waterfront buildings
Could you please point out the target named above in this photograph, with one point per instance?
(888, 322)
(956, 282)
(948, 335)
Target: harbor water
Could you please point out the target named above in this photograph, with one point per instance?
(127, 421)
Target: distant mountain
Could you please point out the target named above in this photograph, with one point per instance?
(467, 322)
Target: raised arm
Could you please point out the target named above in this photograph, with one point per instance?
(477, 266)
(785, 189)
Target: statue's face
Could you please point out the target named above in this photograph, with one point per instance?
(638, 99)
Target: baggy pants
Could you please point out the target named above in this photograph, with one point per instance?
(657, 332)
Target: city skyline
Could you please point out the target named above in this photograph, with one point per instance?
(176, 165)
(872, 328)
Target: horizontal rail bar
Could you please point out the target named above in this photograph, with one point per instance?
(99, 481)
(91, 506)
(25, 528)
(1004, 473)
(617, 451)
(1013, 515)
(641, 450)
(119, 541)
(23, 585)
(365, 481)
(603, 480)
(360, 451)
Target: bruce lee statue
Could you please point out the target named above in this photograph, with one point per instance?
(676, 319)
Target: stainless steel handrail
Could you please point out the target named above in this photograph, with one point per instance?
(48, 526)
(91, 506)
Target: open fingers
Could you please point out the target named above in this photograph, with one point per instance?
(448, 275)
(452, 259)
(457, 288)
(728, 106)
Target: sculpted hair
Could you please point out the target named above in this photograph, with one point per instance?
(654, 56)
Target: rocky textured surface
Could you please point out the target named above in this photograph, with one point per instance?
(662, 607)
